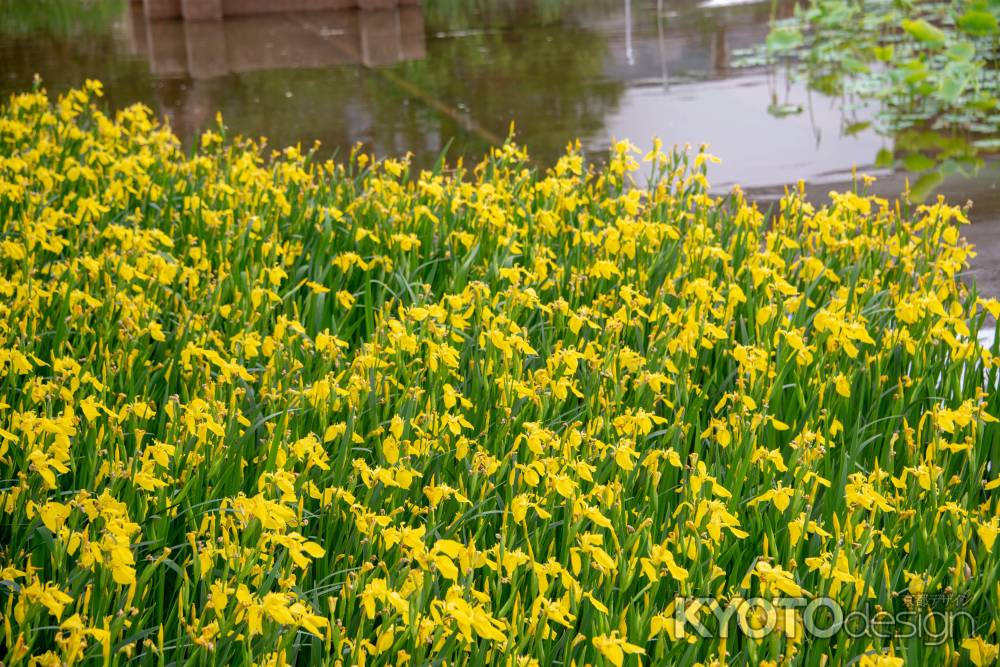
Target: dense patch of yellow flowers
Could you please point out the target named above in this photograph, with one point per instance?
(267, 409)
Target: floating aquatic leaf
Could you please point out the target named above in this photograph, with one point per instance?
(977, 22)
(884, 158)
(992, 144)
(857, 128)
(951, 88)
(917, 162)
(884, 53)
(782, 110)
(961, 50)
(916, 71)
(854, 65)
(784, 39)
(924, 31)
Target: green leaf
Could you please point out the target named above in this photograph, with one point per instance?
(962, 50)
(856, 128)
(951, 88)
(925, 185)
(978, 23)
(954, 79)
(916, 71)
(854, 65)
(884, 53)
(782, 110)
(884, 158)
(916, 162)
(784, 39)
(924, 31)
(987, 144)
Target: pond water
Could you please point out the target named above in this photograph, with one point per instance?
(455, 74)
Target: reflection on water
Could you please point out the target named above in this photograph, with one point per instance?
(455, 73)
(452, 74)
(291, 40)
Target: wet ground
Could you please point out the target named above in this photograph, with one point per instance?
(453, 75)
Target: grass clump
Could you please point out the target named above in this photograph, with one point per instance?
(278, 409)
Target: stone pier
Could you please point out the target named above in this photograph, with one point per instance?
(214, 10)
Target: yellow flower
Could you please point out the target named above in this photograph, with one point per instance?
(780, 496)
(615, 648)
(345, 298)
(988, 533)
(156, 332)
(980, 653)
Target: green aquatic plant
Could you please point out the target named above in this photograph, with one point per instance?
(62, 17)
(928, 67)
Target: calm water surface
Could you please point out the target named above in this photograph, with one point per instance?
(455, 74)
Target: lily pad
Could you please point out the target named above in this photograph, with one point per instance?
(916, 162)
(962, 50)
(924, 31)
(784, 39)
(977, 22)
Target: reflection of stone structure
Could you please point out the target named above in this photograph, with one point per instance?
(687, 40)
(213, 10)
(315, 39)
